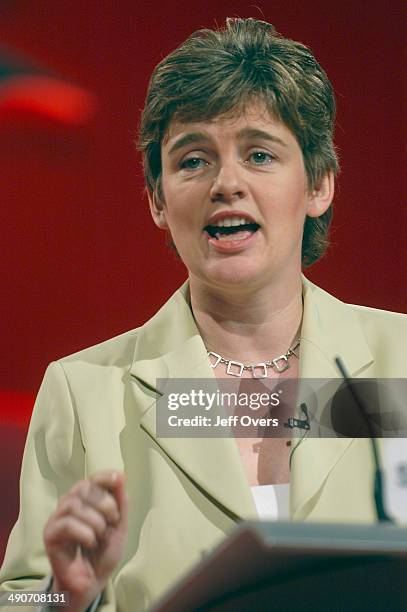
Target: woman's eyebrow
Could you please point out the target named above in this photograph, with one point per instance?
(186, 139)
(245, 133)
(248, 132)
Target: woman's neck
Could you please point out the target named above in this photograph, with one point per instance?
(247, 328)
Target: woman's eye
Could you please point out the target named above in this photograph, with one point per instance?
(193, 163)
(260, 158)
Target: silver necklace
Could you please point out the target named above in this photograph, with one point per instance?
(259, 370)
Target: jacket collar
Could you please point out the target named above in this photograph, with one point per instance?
(169, 346)
(330, 329)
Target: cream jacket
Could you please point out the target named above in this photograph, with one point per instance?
(96, 410)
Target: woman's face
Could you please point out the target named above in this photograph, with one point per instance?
(235, 198)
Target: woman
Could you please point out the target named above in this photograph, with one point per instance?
(239, 162)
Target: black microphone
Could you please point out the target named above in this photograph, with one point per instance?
(379, 477)
(292, 422)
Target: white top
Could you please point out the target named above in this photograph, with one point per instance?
(272, 501)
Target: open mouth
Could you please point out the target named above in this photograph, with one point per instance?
(232, 232)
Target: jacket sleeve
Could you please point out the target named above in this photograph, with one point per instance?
(53, 461)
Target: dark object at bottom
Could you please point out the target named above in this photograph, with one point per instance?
(369, 586)
(299, 567)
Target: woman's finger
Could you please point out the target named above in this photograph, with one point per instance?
(69, 530)
(74, 506)
(103, 501)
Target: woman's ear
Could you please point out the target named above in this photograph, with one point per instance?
(157, 209)
(321, 196)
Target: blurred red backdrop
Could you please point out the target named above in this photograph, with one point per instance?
(81, 259)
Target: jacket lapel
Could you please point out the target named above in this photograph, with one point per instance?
(330, 328)
(170, 346)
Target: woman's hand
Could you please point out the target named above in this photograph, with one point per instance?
(84, 537)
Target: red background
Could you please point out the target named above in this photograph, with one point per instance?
(81, 260)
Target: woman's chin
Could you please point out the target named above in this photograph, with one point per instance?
(235, 274)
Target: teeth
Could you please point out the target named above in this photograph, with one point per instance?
(231, 222)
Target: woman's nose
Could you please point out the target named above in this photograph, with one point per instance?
(228, 184)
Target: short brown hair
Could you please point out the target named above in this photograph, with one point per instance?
(216, 72)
